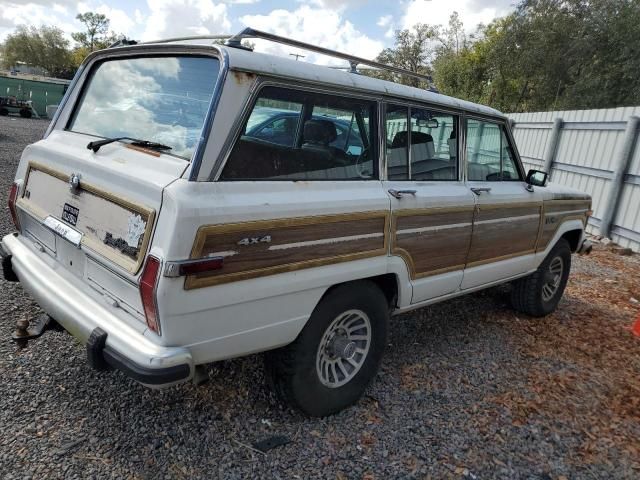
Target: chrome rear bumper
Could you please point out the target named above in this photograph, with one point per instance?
(73, 305)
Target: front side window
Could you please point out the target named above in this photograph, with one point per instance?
(421, 144)
(489, 156)
(162, 99)
(295, 135)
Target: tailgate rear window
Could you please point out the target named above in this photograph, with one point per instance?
(162, 99)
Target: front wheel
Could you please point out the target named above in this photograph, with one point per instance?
(328, 367)
(539, 293)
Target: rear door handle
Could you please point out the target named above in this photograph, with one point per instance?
(479, 190)
(399, 193)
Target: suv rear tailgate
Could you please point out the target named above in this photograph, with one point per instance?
(106, 222)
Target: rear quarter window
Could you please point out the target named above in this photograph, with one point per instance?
(296, 135)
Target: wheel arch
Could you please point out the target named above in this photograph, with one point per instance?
(571, 230)
(573, 237)
(388, 283)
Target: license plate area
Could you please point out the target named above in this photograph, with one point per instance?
(70, 214)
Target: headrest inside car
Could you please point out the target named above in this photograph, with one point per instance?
(400, 139)
(319, 132)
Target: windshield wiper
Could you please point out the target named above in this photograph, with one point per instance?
(95, 146)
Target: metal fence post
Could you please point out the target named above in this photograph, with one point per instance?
(619, 171)
(552, 146)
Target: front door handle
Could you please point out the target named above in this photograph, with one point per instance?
(479, 190)
(399, 193)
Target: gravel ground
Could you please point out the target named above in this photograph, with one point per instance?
(467, 389)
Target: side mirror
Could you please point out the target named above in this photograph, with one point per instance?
(537, 178)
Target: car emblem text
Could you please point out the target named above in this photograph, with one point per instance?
(255, 240)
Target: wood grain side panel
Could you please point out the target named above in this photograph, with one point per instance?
(552, 223)
(558, 211)
(553, 206)
(503, 233)
(432, 218)
(432, 241)
(294, 243)
(495, 212)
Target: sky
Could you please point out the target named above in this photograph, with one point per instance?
(359, 27)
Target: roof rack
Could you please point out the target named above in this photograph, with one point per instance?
(236, 42)
(193, 37)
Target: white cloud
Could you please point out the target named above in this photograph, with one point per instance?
(333, 4)
(316, 26)
(437, 12)
(16, 12)
(119, 21)
(384, 20)
(171, 18)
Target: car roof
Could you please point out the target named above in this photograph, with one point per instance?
(272, 65)
(245, 60)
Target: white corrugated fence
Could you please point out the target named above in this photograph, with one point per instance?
(595, 151)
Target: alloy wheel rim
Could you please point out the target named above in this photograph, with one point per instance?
(343, 348)
(553, 279)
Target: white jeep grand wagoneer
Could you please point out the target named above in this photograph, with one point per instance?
(193, 202)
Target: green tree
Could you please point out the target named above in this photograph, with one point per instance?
(96, 35)
(546, 54)
(44, 47)
(414, 50)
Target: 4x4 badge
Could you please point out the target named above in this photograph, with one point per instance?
(74, 183)
(255, 240)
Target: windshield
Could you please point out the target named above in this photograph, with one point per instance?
(159, 99)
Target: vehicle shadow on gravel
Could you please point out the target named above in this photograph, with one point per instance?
(435, 356)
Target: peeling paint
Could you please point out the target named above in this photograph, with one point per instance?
(135, 229)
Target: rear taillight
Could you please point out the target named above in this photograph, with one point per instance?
(148, 282)
(13, 197)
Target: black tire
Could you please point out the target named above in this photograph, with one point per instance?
(4, 112)
(529, 295)
(292, 370)
(25, 113)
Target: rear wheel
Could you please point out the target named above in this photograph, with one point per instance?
(4, 112)
(539, 293)
(25, 113)
(328, 367)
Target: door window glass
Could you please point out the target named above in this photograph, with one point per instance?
(397, 148)
(426, 137)
(433, 145)
(294, 135)
(489, 155)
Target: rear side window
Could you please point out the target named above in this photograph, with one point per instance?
(489, 155)
(421, 144)
(294, 135)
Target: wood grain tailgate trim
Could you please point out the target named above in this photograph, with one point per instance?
(294, 244)
(148, 214)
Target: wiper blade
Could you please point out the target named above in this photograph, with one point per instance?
(95, 145)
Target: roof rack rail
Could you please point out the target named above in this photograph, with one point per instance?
(193, 37)
(236, 42)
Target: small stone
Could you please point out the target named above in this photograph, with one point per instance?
(622, 251)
